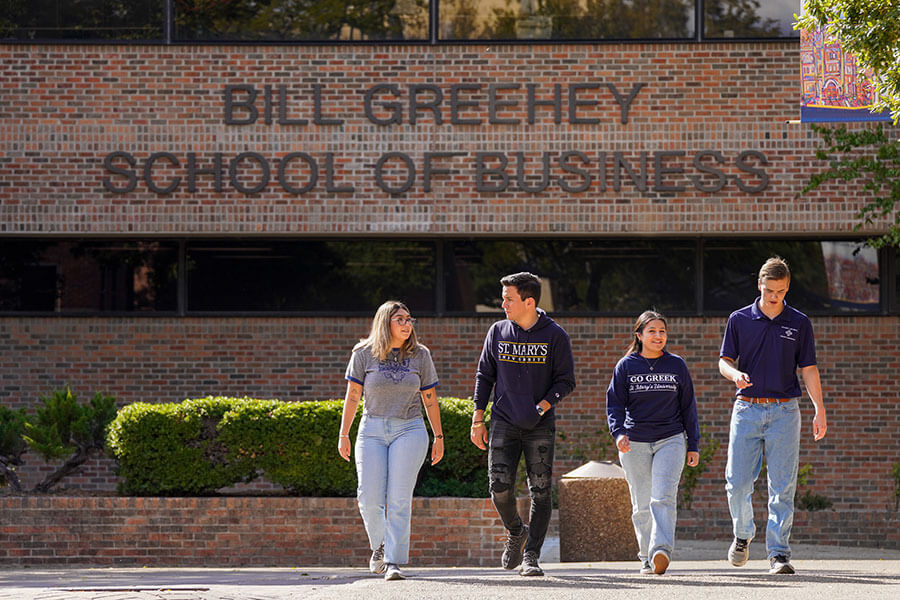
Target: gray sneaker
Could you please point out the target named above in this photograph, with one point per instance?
(393, 573)
(376, 563)
(739, 552)
(530, 567)
(646, 569)
(515, 545)
(781, 565)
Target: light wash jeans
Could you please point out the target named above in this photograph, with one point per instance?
(389, 454)
(653, 470)
(774, 428)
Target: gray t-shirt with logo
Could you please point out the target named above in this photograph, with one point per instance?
(391, 387)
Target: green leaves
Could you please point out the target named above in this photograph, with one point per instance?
(62, 426)
(200, 446)
(868, 29)
(870, 157)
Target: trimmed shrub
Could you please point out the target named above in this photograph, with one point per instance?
(173, 449)
(293, 445)
(199, 446)
(463, 471)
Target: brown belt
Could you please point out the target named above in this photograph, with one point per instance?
(763, 400)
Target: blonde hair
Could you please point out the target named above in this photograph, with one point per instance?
(774, 268)
(379, 340)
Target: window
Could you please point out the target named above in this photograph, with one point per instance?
(395, 20)
(279, 20)
(309, 276)
(566, 20)
(750, 19)
(579, 276)
(88, 276)
(82, 20)
(834, 277)
(342, 276)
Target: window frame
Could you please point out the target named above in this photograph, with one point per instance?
(432, 37)
(888, 258)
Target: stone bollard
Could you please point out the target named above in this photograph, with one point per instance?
(595, 514)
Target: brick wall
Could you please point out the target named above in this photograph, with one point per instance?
(66, 108)
(188, 532)
(289, 532)
(304, 359)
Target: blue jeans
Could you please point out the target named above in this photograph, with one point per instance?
(653, 470)
(389, 454)
(775, 429)
(507, 445)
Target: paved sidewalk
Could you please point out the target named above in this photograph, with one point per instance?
(823, 573)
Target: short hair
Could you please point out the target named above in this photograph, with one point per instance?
(527, 284)
(774, 268)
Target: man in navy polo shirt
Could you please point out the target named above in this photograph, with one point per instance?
(764, 345)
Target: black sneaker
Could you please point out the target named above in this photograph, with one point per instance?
(530, 567)
(515, 545)
(646, 569)
(739, 552)
(376, 563)
(781, 565)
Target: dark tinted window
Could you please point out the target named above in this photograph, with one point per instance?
(81, 20)
(579, 275)
(301, 20)
(88, 276)
(834, 277)
(750, 18)
(326, 276)
(566, 19)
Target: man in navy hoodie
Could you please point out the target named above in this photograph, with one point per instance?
(527, 362)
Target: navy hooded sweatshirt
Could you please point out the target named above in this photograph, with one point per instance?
(524, 367)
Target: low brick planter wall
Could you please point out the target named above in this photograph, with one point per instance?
(290, 531)
(234, 531)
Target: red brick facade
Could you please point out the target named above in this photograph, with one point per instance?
(66, 108)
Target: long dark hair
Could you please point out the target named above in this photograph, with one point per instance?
(646, 317)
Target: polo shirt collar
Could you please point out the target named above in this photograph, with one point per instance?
(757, 313)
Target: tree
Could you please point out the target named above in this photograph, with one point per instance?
(868, 29)
(63, 428)
(871, 156)
(12, 426)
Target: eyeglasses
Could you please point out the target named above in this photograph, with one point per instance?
(404, 320)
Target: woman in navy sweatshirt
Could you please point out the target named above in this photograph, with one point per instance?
(652, 415)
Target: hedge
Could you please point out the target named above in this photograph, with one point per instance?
(199, 446)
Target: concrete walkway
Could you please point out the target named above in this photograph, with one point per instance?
(823, 573)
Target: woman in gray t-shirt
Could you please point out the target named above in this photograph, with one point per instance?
(393, 372)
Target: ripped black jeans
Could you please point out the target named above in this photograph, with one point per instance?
(507, 444)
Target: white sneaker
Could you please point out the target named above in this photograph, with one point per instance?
(781, 565)
(393, 573)
(376, 563)
(739, 552)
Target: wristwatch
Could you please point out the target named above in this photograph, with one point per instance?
(539, 409)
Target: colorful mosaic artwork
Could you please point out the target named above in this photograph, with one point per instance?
(835, 86)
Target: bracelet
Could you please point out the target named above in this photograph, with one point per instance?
(439, 437)
(342, 435)
(476, 424)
